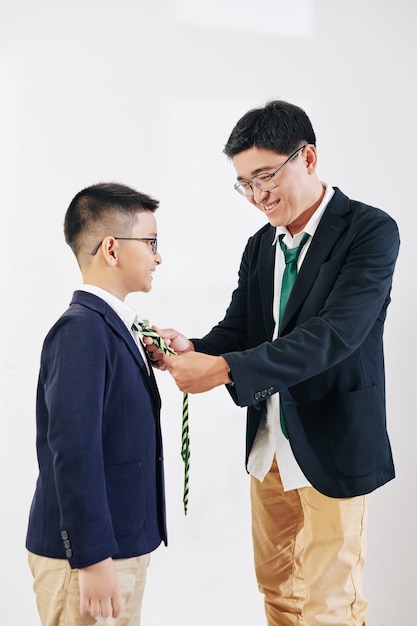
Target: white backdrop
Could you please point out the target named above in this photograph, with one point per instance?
(146, 93)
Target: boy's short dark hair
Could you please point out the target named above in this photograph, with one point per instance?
(95, 208)
(278, 126)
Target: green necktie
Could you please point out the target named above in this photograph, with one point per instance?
(144, 329)
(288, 279)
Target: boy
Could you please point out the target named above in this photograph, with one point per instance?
(99, 507)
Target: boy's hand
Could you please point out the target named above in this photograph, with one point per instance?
(99, 590)
(179, 343)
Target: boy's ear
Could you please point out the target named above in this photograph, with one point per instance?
(109, 248)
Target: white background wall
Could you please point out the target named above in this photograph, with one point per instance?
(146, 93)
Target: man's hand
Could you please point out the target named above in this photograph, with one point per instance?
(99, 590)
(195, 372)
(179, 343)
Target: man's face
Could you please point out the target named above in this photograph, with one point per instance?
(290, 203)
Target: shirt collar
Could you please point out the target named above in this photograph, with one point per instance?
(312, 223)
(124, 311)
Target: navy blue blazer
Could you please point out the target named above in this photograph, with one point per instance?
(327, 363)
(100, 490)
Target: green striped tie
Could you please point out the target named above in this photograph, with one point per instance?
(144, 329)
(288, 279)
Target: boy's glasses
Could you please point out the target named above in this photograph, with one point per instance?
(264, 182)
(151, 241)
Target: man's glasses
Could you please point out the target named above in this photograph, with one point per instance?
(151, 241)
(264, 182)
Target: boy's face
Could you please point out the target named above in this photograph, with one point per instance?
(136, 261)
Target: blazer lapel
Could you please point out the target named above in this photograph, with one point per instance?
(332, 224)
(118, 326)
(266, 271)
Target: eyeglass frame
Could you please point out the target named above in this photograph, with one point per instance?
(151, 241)
(267, 177)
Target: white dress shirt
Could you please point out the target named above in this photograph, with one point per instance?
(270, 440)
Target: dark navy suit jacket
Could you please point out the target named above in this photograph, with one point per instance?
(100, 490)
(327, 363)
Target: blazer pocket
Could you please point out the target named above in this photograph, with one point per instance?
(355, 424)
(126, 497)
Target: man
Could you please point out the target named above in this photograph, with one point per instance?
(310, 371)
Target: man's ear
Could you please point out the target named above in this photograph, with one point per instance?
(310, 158)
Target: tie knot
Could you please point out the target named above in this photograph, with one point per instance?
(146, 331)
(291, 254)
(141, 326)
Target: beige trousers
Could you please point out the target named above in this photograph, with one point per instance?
(309, 553)
(58, 598)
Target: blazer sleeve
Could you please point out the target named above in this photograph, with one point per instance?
(73, 373)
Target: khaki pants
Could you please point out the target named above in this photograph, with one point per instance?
(58, 598)
(309, 553)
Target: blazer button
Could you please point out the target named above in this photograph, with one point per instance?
(270, 391)
(68, 553)
(258, 395)
(257, 406)
(64, 534)
(67, 544)
(264, 392)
